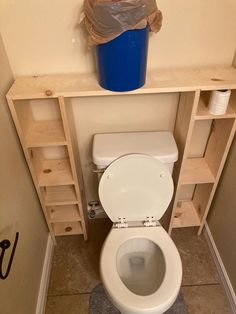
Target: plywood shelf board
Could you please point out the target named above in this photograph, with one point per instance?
(67, 228)
(55, 172)
(185, 215)
(67, 213)
(158, 81)
(196, 171)
(60, 195)
(45, 133)
(203, 113)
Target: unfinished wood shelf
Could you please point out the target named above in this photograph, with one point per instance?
(60, 195)
(196, 170)
(55, 172)
(67, 228)
(45, 133)
(64, 213)
(53, 160)
(203, 113)
(203, 171)
(185, 215)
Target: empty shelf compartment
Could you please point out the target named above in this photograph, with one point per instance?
(67, 228)
(185, 215)
(65, 213)
(59, 195)
(45, 133)
(196, 171)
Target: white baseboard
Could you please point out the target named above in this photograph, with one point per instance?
(221, 268)
(42, 297)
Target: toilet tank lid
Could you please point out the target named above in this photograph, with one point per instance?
(109, 146)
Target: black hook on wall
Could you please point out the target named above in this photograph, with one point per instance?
(4, 245)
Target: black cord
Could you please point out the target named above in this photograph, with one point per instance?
(5, 244)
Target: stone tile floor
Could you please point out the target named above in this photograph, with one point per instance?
(75, 272)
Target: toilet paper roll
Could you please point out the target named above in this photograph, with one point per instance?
(219, 101)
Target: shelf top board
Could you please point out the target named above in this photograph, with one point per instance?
(158, 81)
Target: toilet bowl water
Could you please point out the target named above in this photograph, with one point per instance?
(140, 266)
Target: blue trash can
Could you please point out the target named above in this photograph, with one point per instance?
(122, 62)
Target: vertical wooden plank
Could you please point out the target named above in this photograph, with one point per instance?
(201, 197)
(24, 115)
(182, 133)
(73, 151)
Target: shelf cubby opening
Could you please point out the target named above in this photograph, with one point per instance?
(201, 197)
(190, 211)
(40, 122)
(51, 166)
(65, 213)
(206, 150)
(67, 228)
(217, 143)
(202, 110)
(197, 171)
(185, 215)
(59, 195)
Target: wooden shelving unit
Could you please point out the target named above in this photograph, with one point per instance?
(202, 172)
(54, 164)
(58, 180)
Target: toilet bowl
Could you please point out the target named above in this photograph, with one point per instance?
(140, 265)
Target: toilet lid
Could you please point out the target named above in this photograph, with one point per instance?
(135, 187)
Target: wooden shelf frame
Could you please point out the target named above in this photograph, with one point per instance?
(157, 81)
(194, 86)
(205, 171)
(50, 175)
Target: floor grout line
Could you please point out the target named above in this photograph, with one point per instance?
(68, 294)
(202, 284)
(185, 285)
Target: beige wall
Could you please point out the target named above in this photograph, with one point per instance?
(222, 218)
(19, 211)
(44, 36)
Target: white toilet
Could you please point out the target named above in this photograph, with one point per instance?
(140, 265)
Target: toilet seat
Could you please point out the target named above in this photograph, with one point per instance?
(135, 187)
(123, 298)
(135, 191)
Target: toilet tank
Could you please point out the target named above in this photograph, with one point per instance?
(109, 146)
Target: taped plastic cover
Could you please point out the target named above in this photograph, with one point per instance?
(107, 19)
